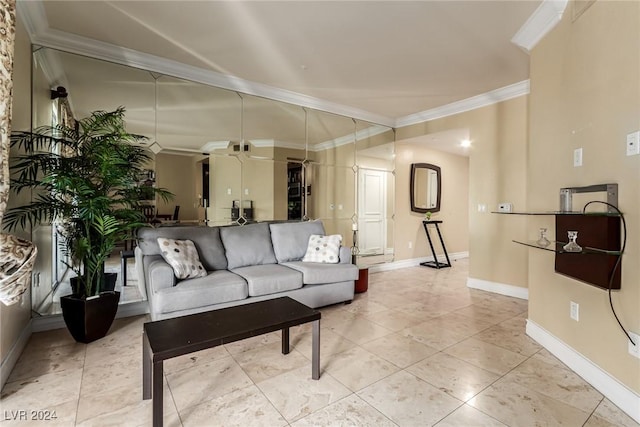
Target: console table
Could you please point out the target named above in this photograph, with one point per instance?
(435, 263)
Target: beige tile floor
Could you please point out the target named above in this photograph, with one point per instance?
(418, 349)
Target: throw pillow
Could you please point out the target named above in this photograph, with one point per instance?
(323, 249)
(182, 256)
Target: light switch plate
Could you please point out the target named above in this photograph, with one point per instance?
(577, 157)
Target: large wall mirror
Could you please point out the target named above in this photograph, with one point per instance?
(229, 157)
(425, 187)
(375, 160)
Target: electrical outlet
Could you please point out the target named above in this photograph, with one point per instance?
(410, 244)
(634, 350)
(577, 157)
(229, 191)
(575, 311)
(633, 143)
(505, 207)
(246, 191)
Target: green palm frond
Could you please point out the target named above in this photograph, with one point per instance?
(87, 179)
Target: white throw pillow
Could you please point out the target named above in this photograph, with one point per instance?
(182, 256)
(323, 249)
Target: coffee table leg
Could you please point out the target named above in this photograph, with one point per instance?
(315, 352)
(146, 367)
(285, 341)
(157, 394)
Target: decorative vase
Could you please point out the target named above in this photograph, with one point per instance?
(572, 246)
(543, 241)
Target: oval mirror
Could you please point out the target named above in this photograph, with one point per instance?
(425, 187)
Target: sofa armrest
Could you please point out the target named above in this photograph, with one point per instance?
(139, 266)
(159, 276)
(345, 255)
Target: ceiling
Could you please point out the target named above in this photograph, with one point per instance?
(387, 59)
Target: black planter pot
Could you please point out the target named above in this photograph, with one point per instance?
(89, 319)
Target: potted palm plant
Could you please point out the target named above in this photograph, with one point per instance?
(84, 178)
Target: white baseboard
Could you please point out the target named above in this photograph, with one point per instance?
(414, 262)
(14, 354)
(47, 323)
(621, 395)
(498, 288)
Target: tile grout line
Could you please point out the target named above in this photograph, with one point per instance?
(593, 411)
(84, 363)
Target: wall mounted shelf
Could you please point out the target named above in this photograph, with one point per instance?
(599, 236)
(558, 247)
(549, 213)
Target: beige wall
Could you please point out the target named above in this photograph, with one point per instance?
(15, 318)
(178, 174)
(497, 173)
(454, 205)
(224, 173)
(585, 92)
(334, 185)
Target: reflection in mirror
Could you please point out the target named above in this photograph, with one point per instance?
(193, 120)
(300, 164)
(90, 85)
(425, 187)
(275, 144)
(376, 181)
(331, 163)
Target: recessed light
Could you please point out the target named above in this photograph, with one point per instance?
(465, 143)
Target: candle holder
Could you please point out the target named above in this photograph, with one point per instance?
(572, 246)
(354, 249)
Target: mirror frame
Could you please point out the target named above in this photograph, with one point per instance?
(414, 168)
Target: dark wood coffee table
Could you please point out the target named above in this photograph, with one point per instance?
(164, 339)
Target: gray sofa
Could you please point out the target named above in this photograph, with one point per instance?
(244, 264)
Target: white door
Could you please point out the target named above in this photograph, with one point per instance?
(372, 202)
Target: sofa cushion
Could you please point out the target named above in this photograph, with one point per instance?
(325, 249)
(182, 256)
(270, 279)
(218, 287)
(206, 240)
(315, 273)
(290, 239)
(247, 245)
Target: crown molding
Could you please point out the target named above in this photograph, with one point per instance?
(502, 94)
(180, 152)
(51, 69)
(350, 138)
(33, 14)
(541, 21)
(214, 145)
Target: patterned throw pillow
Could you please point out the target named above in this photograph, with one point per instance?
(323, 249)
(182, 256)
